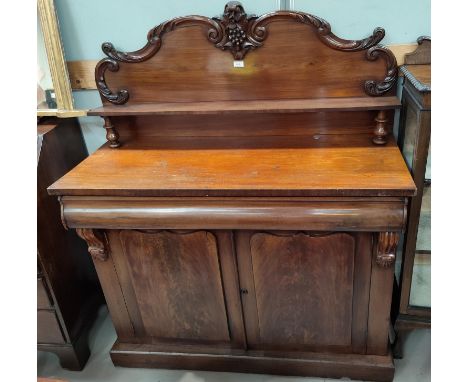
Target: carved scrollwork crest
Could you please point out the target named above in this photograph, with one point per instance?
(239, 33)
(386, 249)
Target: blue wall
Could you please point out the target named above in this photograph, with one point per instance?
(85, 24)
(403, 20)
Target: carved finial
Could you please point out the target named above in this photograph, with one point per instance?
(96, 241)
(235, 25)
(112, 135)
(386, 250)
(380, 131)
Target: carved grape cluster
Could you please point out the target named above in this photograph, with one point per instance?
(236, 36)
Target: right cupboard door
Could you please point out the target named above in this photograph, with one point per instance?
(305, 291)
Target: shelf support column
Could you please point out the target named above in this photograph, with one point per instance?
(112, 135)
(380, 131)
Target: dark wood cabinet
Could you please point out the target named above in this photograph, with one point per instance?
(68, 292)
(414, 311)
(245, 213)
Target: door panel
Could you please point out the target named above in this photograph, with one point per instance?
(172, 284)
(299, 289)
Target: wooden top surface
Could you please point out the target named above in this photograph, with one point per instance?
(251, 106)
(421, 72)
(419, 75)
(45, 128)
(321, 165)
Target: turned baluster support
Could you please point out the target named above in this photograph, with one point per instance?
(112, 135)
(380, 131)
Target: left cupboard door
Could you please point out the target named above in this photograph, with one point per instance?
(179, 287)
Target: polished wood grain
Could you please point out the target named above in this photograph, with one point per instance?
(362, 214)
(231, 286)
(306, 69)
(296, 278)
(252, 106)
(179, 291)
(380, 298)
(177, 281)
(284, 125)
(361, 288)
(222, 167)
(326, 365)
(82, 71)
(290, 247)
(111, 286)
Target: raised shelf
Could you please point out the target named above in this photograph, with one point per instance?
(257, 106)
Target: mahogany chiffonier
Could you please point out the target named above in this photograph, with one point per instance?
(245, 212)
(68, 291)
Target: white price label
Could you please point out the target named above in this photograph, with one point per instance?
(239, 63)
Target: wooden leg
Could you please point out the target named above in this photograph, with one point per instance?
(397, 346)
(71, 356)
(75, 357)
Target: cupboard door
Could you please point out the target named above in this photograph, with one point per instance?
(179, 286)
(305, 291)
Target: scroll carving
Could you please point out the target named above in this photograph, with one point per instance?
(376, 88)
(97, 243)
(239, 33)
(122, 95)
(259, 32)
(386, 250)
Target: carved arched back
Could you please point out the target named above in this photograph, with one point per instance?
(240, 34)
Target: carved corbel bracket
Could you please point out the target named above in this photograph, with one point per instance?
(386, 249)
(97, 243)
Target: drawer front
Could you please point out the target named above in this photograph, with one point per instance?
(43, 298)
(48, 328)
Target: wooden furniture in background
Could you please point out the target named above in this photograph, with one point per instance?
(414, 141)
(68, 292)
(245, 214)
